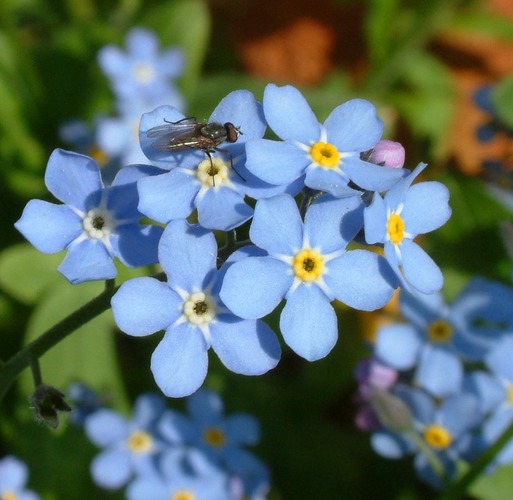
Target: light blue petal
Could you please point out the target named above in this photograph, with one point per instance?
(361, 279)
(113, 61)
(499, 359)
(136, 245)
(113, 135)
(398, 345)
(331, 223)
(439, 371)
(88, 260)
(420, 271)
(205, 406)
(253, 287)
(143, 306)
(334, 182)
(48, 227)
(187, 253)
(397, 195)
(248, 347)
(375, 220)
(148, 408)
(142, 43)
(106, 428)
(111, 469)
(222, 209)
(168, 196)
(308, 323)
(243, 429)
(289, 115)
(486, 388)
(369, 176)
(426, 207)
(354, 126)
(179, 363)
(242, 110)
(460, 413)
(143, 488)
(13, 475)
(277, 225)
(275, 162)
(74, 179)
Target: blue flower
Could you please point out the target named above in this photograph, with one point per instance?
(95, 223)
(440, 433)
(307, 264)
(143, 72)
(13, 478)
(188, 307)
(130, 446)
(177, 480)
(197, 181)
(328, 155)
(397, 218)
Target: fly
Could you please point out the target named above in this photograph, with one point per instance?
(189, 133)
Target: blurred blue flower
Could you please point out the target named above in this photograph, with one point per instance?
(95, 223)
(142, 71)
(439, 435)
(328, 155)
(221, 438)
(84, 402)
(130, 446)
(494, 125)
(397, 218)
(13, 479)
(308, 265)
(177, 480)
(188, 307)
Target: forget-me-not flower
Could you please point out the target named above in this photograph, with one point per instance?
(143, 72)
(95, 223)
(13, 479)
(327, 154)
(308, 265)
(397, 218)
(129, 446)
(195, 180)
(189, 309)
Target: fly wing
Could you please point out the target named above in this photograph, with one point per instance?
(174, 136)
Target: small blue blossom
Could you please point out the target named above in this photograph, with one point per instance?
(208, 184)
(308, 265)
(143, 72)
(328, 155)
(397, 218)
(440, 432)
(13, 480)
(189, 308)
(84, 401)
(178, 481)
(95, 223)
(130, 446)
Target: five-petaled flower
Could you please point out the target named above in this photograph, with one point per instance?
(95, 223)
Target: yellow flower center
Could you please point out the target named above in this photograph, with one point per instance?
(395, 228)
(325, 154)
(144, 73)
(509, 394)
(437, 437)
(213, 173)
(214, 437)
(8, 495)
(98, 155)
(140, 442)
(183, 495)
(439, 331)
(308, 265)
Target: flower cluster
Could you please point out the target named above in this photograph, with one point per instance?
(13, 480)
(161, 453)
(316, 204)
(439, 385)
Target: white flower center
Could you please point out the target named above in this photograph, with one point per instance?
(213, 173)
(144, 73)
(199, 308)
(98, 224)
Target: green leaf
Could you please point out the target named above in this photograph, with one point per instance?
(25, 272)
(502, 99)
(485, 23)
(88, 354)
(496, 486)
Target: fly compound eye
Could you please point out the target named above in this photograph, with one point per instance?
(232, 132)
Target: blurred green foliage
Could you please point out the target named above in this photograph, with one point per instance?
(49, 74)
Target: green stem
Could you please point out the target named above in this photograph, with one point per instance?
(33, 351)
(458, 488)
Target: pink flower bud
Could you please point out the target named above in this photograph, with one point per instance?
(388, 153)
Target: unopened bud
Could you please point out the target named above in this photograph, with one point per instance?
(46, 402)
(391, 411)
(388, 153)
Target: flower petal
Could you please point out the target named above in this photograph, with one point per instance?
(74, 179)
(398, 345)
(111, 469)
(248, 347)
(308, 323)
(375, 220)
(179, 363)
(289, 115)
(143, 306)
(50, 228)
(439, 371)
(372, 177)
(105, 427)
(420, 271)
(136, 245)
(253, 287)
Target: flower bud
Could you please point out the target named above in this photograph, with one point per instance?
(388, 153)
(391, 411)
